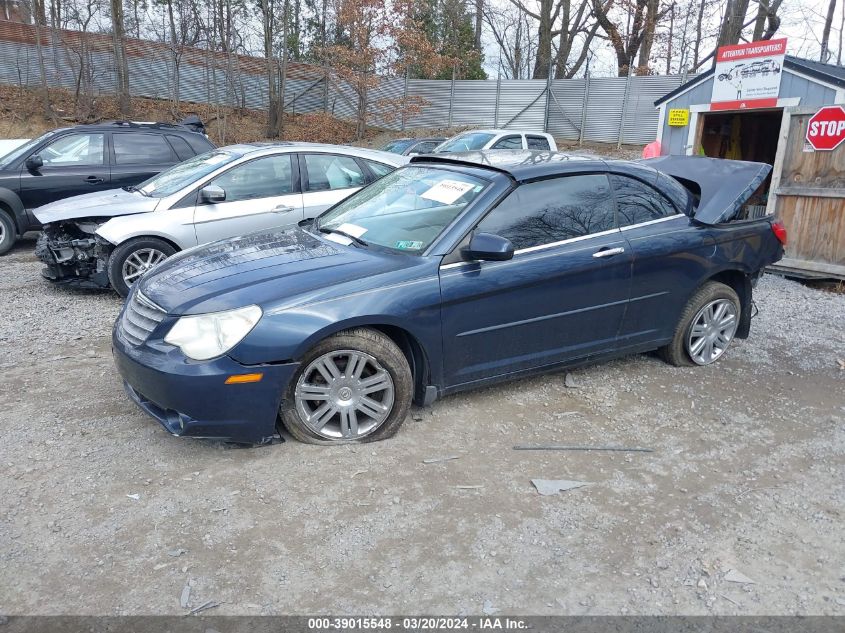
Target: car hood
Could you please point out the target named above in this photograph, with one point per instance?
(270, 267)
(725, 185)
(104, 204)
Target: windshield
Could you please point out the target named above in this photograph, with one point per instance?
(184, 174)
(397, 147)
(22, 150)
(466, 142)
(406, 210)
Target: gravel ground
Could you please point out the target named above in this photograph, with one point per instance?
(102, 512)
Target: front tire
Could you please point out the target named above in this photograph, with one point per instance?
(706, 327)
(354, 386)
(8, 233)
(129, 261)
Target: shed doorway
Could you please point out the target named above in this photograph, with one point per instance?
(743, 135)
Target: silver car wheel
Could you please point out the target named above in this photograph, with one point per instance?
(2, 232)
(711, 332)
(344, 394)
(140, 262)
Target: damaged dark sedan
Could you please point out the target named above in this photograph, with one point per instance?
(448, 274)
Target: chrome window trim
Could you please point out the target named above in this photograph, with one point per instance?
(649, 222)
(534, 249)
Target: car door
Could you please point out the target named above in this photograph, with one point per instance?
(670, 254)
(137, 156)
(261, 193)
(561, 297)
(327, 179)
(74, 163)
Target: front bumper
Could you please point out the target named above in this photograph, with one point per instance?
(190, 398)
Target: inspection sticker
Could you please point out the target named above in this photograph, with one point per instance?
(447, 191)
(409, 245)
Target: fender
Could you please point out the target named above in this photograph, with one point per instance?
(10, 199)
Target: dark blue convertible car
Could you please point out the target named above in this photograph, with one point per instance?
(447, 274)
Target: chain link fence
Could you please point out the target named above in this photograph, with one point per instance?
(607, 110)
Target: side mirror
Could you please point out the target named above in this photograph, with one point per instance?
(213, 194)
(488, 247)
(34, 162)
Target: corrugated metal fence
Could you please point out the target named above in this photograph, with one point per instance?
(609, 110)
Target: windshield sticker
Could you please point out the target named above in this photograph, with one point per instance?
(352, 229)
(409, 245)
(447, 191)
(340, 239)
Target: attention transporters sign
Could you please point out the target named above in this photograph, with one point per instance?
(748, 75)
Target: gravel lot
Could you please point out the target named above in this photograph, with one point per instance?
(102, 512)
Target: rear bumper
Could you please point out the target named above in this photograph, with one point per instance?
(190, 398)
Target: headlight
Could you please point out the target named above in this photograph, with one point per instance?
(208, 335)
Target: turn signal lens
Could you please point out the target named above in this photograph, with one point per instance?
(779, 230)
(240, 379)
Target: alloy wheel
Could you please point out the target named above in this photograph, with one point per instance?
(344, 394)
(139, 262)
(711, 332)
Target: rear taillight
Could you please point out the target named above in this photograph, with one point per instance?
(780, 232)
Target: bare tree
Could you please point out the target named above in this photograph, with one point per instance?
(512, 30)
(825, 52)
(120, 61)
(642, 19)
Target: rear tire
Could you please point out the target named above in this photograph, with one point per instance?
(683, 350)
(8, 233)
(127, 260)
(334, 399)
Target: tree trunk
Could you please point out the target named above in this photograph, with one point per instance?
(669, 40)
(649, 26)
(272, 92)
(731, 28)
(479, 10)
(284, 72)
(825, 53)
(40, 22)
(120, 62)
(544, 41)
(174, 50)
(696, 49)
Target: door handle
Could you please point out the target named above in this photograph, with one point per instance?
(609, 252)
(281, 208)
(94, 180)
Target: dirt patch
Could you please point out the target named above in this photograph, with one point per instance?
(102, 512)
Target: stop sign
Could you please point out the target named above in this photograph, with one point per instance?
(826, 128)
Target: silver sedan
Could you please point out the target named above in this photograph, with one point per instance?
(114, 237)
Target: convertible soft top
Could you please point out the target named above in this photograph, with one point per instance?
(725, 185)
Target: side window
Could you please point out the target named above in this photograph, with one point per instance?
(74, 150)
(141, 149)
(537, 142)
(379, 169)
(553, 210)
(181, 147)
(638, 202)
(509, 142)
(330, 171)
(425, 147)
(260, 178)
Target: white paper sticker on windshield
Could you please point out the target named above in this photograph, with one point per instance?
(352, 229)
(447, 191)
(340, 239)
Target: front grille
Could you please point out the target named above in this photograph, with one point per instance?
(140, 318)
